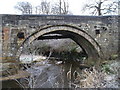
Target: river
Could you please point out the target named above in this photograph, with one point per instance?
(46, 73)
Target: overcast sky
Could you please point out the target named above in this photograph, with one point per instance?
(75, 6)
(7, 6)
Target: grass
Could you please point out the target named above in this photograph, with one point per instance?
(106, 77)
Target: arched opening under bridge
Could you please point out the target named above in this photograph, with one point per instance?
(83, 39)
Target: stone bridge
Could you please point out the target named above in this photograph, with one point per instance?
(98, 36)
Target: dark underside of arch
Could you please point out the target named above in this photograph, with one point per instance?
(87, 47)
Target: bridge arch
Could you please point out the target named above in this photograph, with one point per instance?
(83, 39)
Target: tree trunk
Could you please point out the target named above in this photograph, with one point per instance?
(99, 12)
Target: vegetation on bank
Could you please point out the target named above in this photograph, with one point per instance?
(106, 76)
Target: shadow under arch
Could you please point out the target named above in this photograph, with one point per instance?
(83, 39)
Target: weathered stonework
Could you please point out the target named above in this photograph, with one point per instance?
(0, 38)
(103, 29)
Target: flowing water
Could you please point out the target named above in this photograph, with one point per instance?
(46, 74)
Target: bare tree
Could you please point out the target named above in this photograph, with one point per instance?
(102, 7)
(24, 7)
(62, 7)
(43, 8)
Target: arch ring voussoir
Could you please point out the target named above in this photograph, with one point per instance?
(66, 28)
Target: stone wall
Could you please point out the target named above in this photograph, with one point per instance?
(103, 29)
(0, 38)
